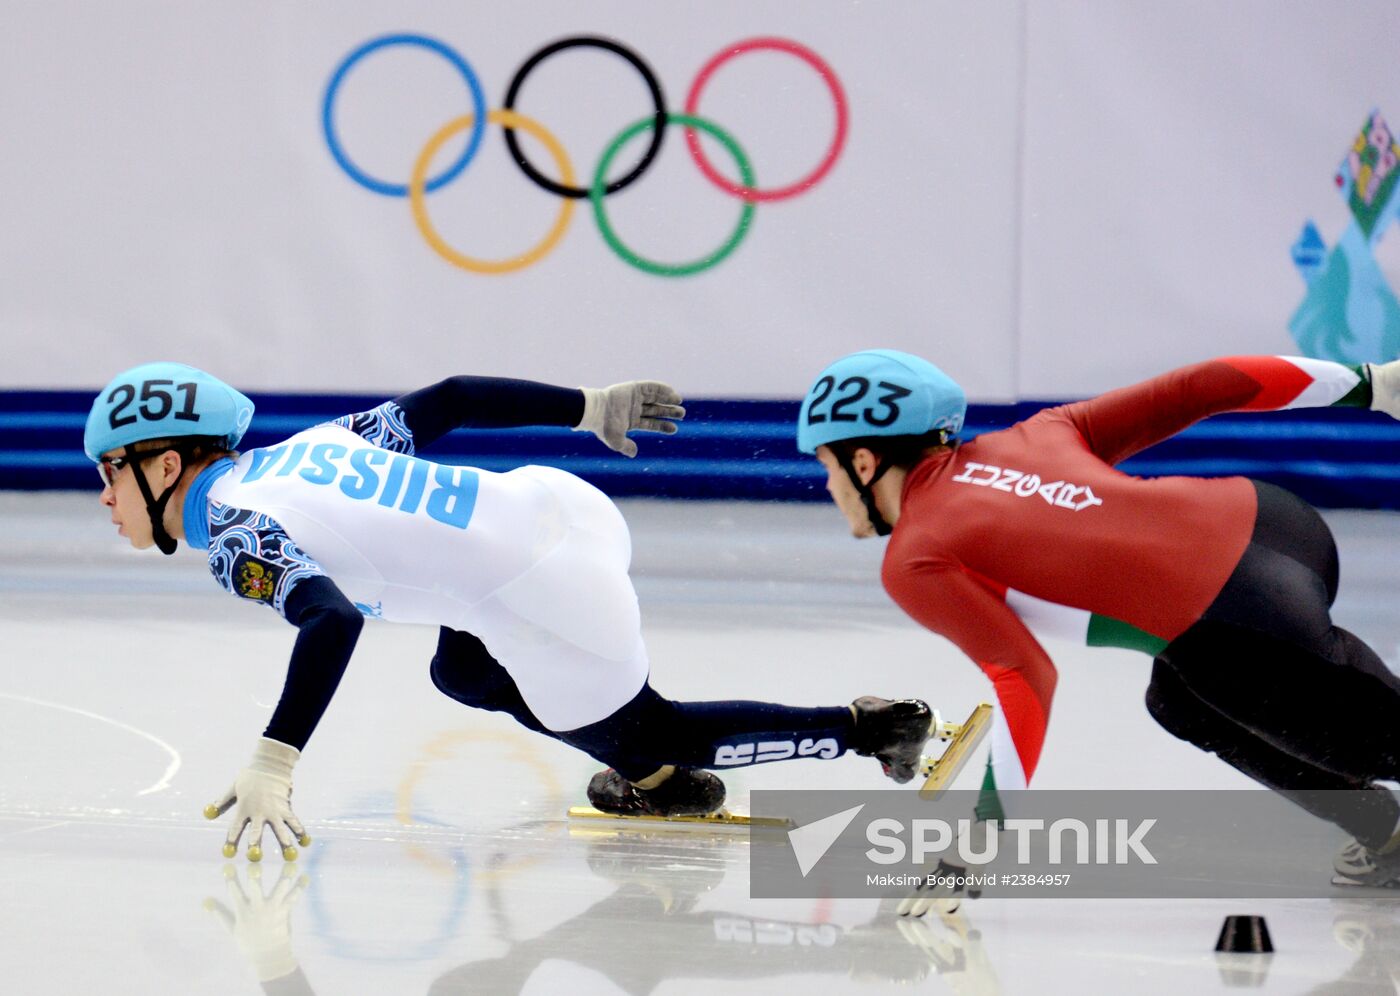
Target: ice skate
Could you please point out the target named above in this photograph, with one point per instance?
(689, 795)
(686, 792)
(1356, 864)
(892, 732)
(1353, 860)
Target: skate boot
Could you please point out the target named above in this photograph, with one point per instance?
(892, 732)
(1357, 864)
(687, 792)
(1353, 860)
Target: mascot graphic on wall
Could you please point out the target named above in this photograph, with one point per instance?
(1350, 314)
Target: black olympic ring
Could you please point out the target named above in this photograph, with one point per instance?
(591, 41)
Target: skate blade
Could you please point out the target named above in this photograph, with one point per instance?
(1358, 883)
(963, 739)
(723, 818)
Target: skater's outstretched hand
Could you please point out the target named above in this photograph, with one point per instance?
(1385, 387)
(261, 796)
(644, 405)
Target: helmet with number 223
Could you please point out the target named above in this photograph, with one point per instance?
(879, 392)
(165, 401)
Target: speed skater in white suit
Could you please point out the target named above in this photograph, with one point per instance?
(525, 572)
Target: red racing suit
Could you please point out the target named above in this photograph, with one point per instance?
(1032, 527)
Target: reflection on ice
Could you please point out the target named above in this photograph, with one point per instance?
(443, 861)
(646, 921)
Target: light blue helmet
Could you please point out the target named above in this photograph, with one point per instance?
(879, 392)
(162, 401)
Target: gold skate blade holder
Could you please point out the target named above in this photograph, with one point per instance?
(962, 740)
(723, 818)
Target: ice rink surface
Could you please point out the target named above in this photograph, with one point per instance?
(133, 689)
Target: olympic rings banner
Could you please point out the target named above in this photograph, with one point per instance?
(566, 187)
(360, 197)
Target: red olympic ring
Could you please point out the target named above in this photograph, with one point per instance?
(692, 107)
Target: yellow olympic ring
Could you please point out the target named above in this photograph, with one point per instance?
(512, 746)
(506, 119)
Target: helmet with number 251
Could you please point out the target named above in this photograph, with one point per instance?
(879, 392)
(165, 401)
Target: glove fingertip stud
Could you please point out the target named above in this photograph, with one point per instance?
(304, 840)
(230, 850)
(255, 853)
(289, 854)
(211, 812)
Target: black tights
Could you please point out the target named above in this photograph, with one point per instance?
(1265, 680)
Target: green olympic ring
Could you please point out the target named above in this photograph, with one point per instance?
(599, 189)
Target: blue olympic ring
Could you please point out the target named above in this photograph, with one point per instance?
(433, 45)
(358, 950)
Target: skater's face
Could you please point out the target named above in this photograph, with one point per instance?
(844, 493)
(122, 495)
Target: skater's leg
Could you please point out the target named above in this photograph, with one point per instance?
(1338, 715)
(568, 630)
(655, 748)
(651, 731)
(1267, 655)
(1295, 702)
(1366, 811)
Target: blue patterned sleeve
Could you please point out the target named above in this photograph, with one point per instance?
(251, 556)
(383, 426)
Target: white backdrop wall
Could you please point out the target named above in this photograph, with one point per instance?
(1047, 198)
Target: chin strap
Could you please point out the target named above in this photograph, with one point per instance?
(867, 494)
(155, 507)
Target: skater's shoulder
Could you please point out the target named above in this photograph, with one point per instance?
(383, 426)
(252, 556)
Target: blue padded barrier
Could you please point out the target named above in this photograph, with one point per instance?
(745, 449)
